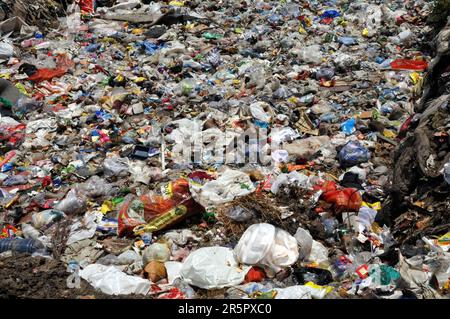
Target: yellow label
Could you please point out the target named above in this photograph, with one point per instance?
(375, 206)
(167, 191)
(163, 220)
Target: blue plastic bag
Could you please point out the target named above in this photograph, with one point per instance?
(353, 153)
(347, 40)
(330, 14)
(348, 127)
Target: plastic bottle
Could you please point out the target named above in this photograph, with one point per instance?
(21, 245)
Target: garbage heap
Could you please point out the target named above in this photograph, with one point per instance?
(252, 149)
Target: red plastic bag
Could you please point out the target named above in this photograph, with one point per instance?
(326, 186)
(413, 65)
(255, 274)
(86, 6)
(173, 293)
(46, 74)
(347, 199)
(63, 64)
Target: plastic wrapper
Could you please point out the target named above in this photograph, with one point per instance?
(157, 212)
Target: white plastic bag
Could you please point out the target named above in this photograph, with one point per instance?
(6, 50)
(112, 281)
(319, 253)
(84, 229)
(173, 269)
(213, 268)
(305, 241)
(226, 188)
(257, 111)
(263, 244)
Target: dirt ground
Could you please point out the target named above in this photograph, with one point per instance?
(37, 277)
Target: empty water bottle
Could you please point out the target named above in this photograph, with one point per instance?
(20, 245)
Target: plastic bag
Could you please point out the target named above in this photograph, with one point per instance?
(95, 187)
(173, 270)
(347, 199)
(307, 291)
(311, 54)
(412, 65)
(319, 253)
(264, 244)
(46, 74)
(307, 147)
(348, 127)
(83, 229)
(115, 166)
(239, 214)
(305, 241)
(352, 154)
(46, 217)
(213, 268)
(257, 110)
(112, 281)
(366, 217)
(6, 50)
(227, 187)
(73, 203)
(156, 251)
(87, 6)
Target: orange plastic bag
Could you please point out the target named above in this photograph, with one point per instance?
(347, 199)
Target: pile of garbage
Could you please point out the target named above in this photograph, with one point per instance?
(252, 149)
